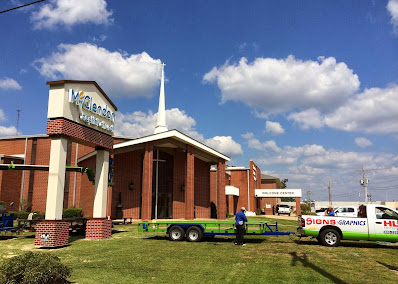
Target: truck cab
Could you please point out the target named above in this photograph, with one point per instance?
(373, 223)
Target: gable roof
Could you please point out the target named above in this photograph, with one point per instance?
(174, 134)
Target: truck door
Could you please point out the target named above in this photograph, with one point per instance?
(385, 225)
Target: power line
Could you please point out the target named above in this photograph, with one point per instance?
(21, 6)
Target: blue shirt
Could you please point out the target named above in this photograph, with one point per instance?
(331, 213)
(240, 218)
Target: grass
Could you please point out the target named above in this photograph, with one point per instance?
(132, 257)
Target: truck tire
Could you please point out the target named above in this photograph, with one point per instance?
(330, 238)
(176, 233)
(194, 234)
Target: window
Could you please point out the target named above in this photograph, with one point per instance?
(386, 213)
(351, 210)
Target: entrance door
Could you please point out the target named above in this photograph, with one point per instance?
(162, 197)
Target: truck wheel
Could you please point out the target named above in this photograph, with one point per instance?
(194, 234)
(176, 233)
(330, 238)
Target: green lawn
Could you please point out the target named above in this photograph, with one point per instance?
(132, 257)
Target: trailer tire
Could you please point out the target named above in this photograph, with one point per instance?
(176, 233)
(330, 238)
(194, 234)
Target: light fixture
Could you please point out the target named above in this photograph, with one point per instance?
(183, 187)
(131, 185)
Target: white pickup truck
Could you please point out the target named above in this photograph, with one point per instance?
(349, 211)
(374, 223)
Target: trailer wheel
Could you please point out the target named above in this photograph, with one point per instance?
(194, 234)
(176, 233)
(330, 238)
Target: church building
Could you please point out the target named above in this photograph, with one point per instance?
(161, 176)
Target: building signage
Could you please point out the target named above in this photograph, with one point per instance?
(231, 190)
(85, 102)
(44, 237)
(278, 192)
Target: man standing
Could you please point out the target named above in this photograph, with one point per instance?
(240, 219)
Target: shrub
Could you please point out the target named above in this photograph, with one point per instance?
(38, 215)
(229, 215)
(2, 203)
(305, 208)
(22, 215)
(258, 211)
(34, 268)
(72, 212)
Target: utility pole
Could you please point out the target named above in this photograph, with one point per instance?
(309, 192)
(364, 182)
(330, 193)
(18, 110)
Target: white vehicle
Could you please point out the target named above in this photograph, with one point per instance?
(283, 209)
(374, 223)
(348, 211)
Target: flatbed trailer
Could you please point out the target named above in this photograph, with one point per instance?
(194, 231)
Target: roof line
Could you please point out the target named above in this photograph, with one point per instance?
(168, 134)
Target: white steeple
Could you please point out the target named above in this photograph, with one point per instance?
(161, 126)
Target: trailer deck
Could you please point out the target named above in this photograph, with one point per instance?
(194, 231)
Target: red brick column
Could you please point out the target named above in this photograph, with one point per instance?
(231, 204)
(221, 200)
(190, 184)
(147, 173)
(298, 208)
(51, 234)
(98, 229)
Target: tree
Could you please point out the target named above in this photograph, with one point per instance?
(283, 185)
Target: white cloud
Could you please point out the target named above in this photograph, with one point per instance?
(9, 84)
(280, 85)
(8, 131)
(363, 142)
(310, 118)
(71, 12)
(2, 115)
(225, 144)
(392, 7)
(274, 128)
(138, 124)
(101, 38)
(260, 146)
(311, 167)
(134, 75)
(373, 111)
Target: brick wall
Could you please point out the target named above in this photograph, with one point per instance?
(269, 184)
(178, 181)
(202, 189)
(82, 133)
(128, 168)
(10, 184)
(98, 229)
(85, 189)
(57, 234)
(255, 183)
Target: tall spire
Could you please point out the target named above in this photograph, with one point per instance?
(161, 126)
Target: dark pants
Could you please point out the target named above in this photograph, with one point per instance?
(240, 234)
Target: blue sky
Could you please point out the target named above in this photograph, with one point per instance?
(306, 89)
